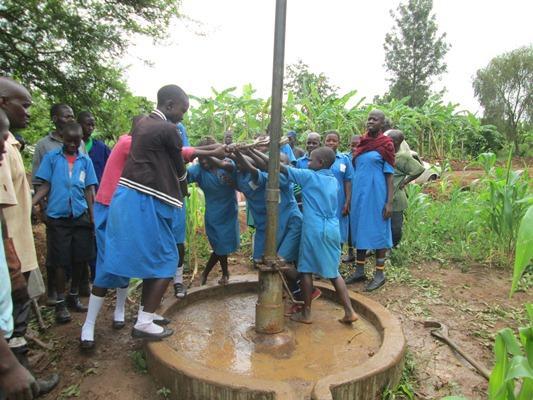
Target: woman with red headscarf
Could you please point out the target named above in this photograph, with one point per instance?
(372, 194)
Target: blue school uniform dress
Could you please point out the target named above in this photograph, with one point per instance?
(179, 235)
(369, 194)
(255, 199)
(289, 217)
(343, 170)
(221, 208)
(320, 245)
(143, 214)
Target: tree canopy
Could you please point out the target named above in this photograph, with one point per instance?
(414, 52)
(68, 49)
(300, 81)
(505, 90)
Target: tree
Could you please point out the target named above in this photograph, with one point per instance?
(414, 52)
(68, 49)
(300, 81)
(505, 90)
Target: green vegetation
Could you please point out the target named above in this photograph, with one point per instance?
(505, 90)
(414, 53)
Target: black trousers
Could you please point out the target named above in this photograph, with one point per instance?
(396, 227)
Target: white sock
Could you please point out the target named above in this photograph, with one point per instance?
(95, 304)
(178, 278)
(120, 306)
(145, 323)
(157, 317)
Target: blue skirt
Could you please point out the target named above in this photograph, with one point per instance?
(103, 279)
(139, 239)
(180, 228)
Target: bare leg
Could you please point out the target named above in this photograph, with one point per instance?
(153, 291)
(304, 316)
(225, 273)
(213, 259)
(340, 287)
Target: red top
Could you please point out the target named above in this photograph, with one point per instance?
(70, 158)
(381, 143)
(115, 165)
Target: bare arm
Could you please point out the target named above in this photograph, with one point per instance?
(41, 193)
(387, 210)
(15, 380)
(348, 197)
(245, 165)
(260, 159)
(222, 164)
(212, 150)
(89, 197)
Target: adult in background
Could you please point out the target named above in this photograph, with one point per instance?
(372, 194)
(15, 101)
(139, 239)
(298, 152)
(406, 170)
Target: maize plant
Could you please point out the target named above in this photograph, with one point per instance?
(195, 236)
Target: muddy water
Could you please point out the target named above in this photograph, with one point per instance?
(215, 333)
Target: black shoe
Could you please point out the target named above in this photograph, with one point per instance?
(357, 276)
(162, 322)
(47, 385)
(73, 302)
(86, 345)
(62, 314)
(348, 258)
(138, 334)
(118, 324)
(180, 291)
(376, 283)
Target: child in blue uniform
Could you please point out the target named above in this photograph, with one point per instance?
(217, 179)
(69, 179)
(343, 170)
(320, 241)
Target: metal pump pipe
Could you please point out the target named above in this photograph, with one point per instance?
(269, 308)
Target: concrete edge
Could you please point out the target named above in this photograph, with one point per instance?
(367, 380)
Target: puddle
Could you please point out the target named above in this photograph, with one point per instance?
(214, 333)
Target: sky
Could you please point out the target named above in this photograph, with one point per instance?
(230, 43)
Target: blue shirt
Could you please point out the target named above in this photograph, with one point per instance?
(67, 191)
(302, 162)
(99, 154)
(183, 132)
(287, 149)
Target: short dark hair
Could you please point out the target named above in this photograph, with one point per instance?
(333, 133)
(54, 110)
(84, 114)
(326, 155)
(170, 92)
(206, 141)
(72, 126)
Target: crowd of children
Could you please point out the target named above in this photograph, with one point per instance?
(122, 211)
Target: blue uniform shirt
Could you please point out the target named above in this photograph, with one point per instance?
(287, 149)
(183, 132)
(302, 162)
(67, 193)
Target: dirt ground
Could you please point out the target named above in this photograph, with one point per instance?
(473, 303)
